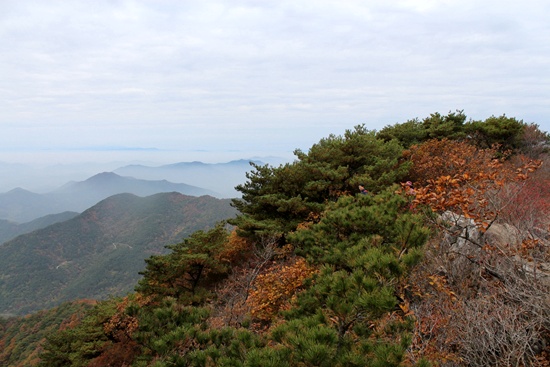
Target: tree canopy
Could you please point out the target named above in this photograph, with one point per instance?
(276, 199)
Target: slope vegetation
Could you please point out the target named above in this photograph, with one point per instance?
(10, 230)
(100, 252)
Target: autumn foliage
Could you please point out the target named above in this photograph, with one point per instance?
(483, 267)
(437, 158)
(464, 179)
(273, 289)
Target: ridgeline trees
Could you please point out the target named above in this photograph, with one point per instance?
(504, 133)
(315, 273)
(276, 199)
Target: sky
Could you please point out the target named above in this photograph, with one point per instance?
(210, 80)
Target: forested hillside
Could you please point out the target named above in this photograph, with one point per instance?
(442, 260)
(10, 230)
(21, 341)
(99, 252)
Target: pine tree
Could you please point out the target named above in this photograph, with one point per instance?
(276, 199)
(504, 132)
(365, 246)
(193, 262)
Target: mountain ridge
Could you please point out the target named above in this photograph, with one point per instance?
(219, 177)
(10, 230)
(20, 205)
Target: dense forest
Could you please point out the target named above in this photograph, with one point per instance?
(443, 260)
(99, 253)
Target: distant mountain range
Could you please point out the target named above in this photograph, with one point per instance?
(99, 252)
(218, 177)
(43, 177)
(22, 206)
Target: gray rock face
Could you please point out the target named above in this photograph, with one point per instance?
(465, 244)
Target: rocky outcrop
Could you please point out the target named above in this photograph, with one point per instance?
(465, 241)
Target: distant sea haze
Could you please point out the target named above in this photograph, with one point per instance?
(120, 156)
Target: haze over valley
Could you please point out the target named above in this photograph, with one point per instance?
(42, 175)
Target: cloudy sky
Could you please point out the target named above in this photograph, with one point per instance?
(223, 79)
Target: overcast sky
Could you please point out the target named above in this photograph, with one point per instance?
(240, 78)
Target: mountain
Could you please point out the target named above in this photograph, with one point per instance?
(20, 205)
(86, 193)
(109, 183)
(219, 177)
(99, 252)
(9, 230)
(45, 177)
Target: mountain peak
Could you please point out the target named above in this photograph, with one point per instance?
(104, 176)
(19, 190)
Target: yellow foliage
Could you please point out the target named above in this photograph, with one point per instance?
(273, 290)
(234, 249)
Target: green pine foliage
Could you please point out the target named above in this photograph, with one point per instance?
(276, 199)
(364, 245)
(78, 345)
(356, 223)
(436, 126)
(505, 132)
(407, 133)
(189, 264)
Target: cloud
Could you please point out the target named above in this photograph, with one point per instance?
(256, 73)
